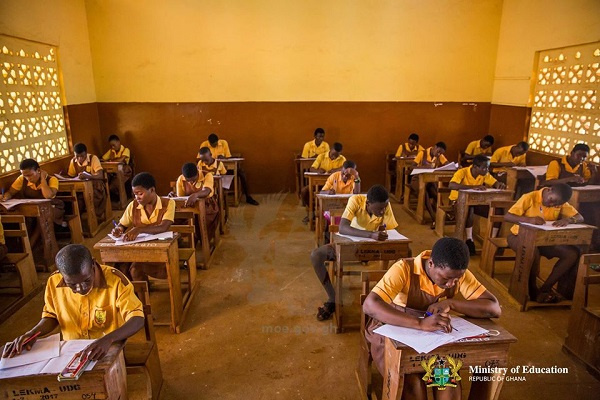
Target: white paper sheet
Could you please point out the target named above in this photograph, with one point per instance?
(43, 350)
(67, 178)
(534, 170)
(142, 237)
(12, 203)
(487, 190)
(424, 342)
(548, 226)
(335, 196)
(587, 187)
(232, 159)
(392, 235)
(226, 181)
(448, 167)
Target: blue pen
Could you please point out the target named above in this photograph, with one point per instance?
(428, 314)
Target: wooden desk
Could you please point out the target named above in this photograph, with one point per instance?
(585, 194)
(199, 210)
(116, 168)
(531, 237)
(233, 164)
(348, 250)
(87, 188)
(157, 251)
(301, 166)
(514, 179)
(315, 179)
(326, 202)
(108, 380)
(467, 198)
(423, 179)
(223, 207)
(43, 211)
(401, 164)
(491, 351)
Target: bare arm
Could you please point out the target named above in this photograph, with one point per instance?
(486, 306)
(347, 229)
(100, 347)
(45, 326)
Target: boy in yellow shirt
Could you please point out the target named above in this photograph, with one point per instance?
(508, 156)
(475, 177)
(419, 293)
(85, 300)
(121, 154)
(147, 213)
(332, 161)
(315, 147)
(195, 184)
(411, 148)
(87, 167)
(571, 169)
(346, 181)
(367, 216)
(477, 147)
(207, 163)
(548, 204)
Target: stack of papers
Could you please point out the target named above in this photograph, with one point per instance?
(392, 235)
(549, 227)
(12, 203)
(142, 237)
(448, 167)
(535, 170)
(425, 342)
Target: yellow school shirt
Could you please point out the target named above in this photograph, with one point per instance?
(92, 165)
(553, 171)
(336, 183)
(204, 181)
(409, 149)
(216, 168)
(222, 148)
(356, 213)
(311, 149)
(474, 149)
(464, 177)
(18, 183)
(127, 218)
(530, 205)
(502, 155)
(123, 152)
(395, 284)
(323, 161)
(431, 160)
(110, 304)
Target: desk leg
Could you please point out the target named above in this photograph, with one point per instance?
(222, 210)
(489, 390)
(311, 204)
(319, 227)
(174, 288)
(519, 281)
(46, 223)
(88, 199)
(122, 192)
(393, 380)
(115, 379)
(202, 226)
(399, 182)
(339, 298)
(407, 198)
(462, 210)
(298, 169)
(421, 201)
(236, 186)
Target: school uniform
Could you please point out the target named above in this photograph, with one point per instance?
(503, 155)
(311, 149)
(205, 181)
(29, 190)
(336, 183)
(127, 170)
(221, 149)
(91, 165)
(474, 149)
(408, 149)
(325, 162)
(216, 168)
(560, 169)
(425, 156)
(464, 176)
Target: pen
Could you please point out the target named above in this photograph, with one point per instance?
(30, 338)
(428, 314)
(115, 224)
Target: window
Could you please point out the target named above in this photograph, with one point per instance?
(565, 107)
(32, 123)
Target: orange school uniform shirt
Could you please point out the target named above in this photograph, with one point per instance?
(554, 168)
(336, 183)
(474, 149)
(502, 155)
(222, 148)
(432, 160)
(92, 165)
(530, 205)
(409, 149)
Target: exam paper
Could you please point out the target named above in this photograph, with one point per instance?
(488, 190)
(424, 342)
(142, 237)
(336, 196)
(67, 178)
(534, 170)
(43, 350)
(12, 203)
(226, 181)
(587, 187)
(548, 226)
(392, 235)
(448, 167)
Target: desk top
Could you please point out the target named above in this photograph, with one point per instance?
(324, 174)
(305, 159)
(108, 243)
(337, 239)
(586, 188)
(231, 159)
(334, 196)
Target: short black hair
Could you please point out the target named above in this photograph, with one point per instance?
(413, 136)
(72, 259)
(377, 194)
(213, 138)
(349, 164)
(523, 145)
(479, 160)
(450, 252)
(204, 150)
(319, 130)
(143, 179)
(337, 146)
(189, 170)
(489, 139)
(113, 137)
(80, 148)
(29, 163)
(563, 190)
(441, 145)
(581, 147)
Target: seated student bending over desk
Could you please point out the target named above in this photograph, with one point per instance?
(410, 148)
(433, 157)
(365, 216)
(419, 293)
(315, 147)
(345, 181)
(331, 161)
(148, 213)
(548, 204)
(87, 167)
(508, 156)
(206, 163)
(85, 300)
(474, 177)
(477, 147)
(220, 149)
(197, 185)
(118, 153)
(571, 169)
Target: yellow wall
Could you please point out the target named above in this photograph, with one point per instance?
(58, 22)
(533, 25)
(309, 50)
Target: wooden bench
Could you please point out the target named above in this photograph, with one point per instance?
(445, 209)
(492, 244)
(73, 220)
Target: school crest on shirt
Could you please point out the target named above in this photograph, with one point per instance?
(99, 317)
(441, 372)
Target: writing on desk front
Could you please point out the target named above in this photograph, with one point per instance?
(47, 393)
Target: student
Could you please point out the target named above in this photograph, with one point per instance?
(219, 148)
(410, 148)
(117, 153)
(477, 147)
(3, 248)
(474, 177)
(508, 156)
(194, 184)
(331, 161)
(432, 157)
(315, 147)
(345, 181)
(87, 167)
(571, 169)
(367, 216)
(207, 163)
(548, 204)
(85, 300)
(148, 213)
(428, 283)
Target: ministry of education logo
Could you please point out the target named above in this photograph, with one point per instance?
(439, 375)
